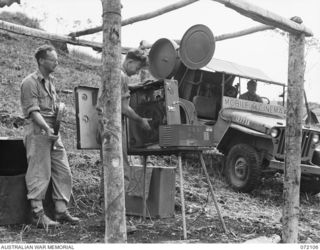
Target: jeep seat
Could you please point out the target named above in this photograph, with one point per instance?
(205, 107)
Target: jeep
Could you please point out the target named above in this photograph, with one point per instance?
(251, 135)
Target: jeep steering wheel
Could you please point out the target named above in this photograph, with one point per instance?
(265, 98)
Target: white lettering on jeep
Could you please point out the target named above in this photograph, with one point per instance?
(229, 102)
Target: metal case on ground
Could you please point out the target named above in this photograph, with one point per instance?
(160, 202)
(14, 205)
(14, 208)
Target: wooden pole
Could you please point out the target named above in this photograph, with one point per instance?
(292, 172)
(203, 165)
(147, 45)
(243, 32)
(110, 101)
(22, 30)
(138, 18)
(183, 208)
(266, 17)
(252, 11)
(246, 9)
(144, 197)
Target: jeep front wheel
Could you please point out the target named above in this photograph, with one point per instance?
(243, 168)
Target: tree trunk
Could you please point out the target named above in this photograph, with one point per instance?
(110, 102)
(293, 138)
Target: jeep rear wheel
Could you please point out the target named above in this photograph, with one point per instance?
(243, 168)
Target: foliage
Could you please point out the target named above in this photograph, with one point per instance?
(314, 43)
(20, 18)
(311, 42)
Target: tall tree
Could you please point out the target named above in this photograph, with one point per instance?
(292, 173)
(111, 136)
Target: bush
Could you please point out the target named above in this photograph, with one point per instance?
(20, 18)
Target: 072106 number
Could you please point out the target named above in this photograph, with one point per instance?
(309, 247)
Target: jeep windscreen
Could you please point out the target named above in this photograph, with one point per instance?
(236, 76)
(267, 93)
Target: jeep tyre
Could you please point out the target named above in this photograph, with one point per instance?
(243, 168)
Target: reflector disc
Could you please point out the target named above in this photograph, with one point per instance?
(197, 47)
(163, 58)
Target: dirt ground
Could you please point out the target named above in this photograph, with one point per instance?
(246, 216)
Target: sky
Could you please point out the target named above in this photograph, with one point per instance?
(266, 50)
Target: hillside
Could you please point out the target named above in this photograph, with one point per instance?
(17, 61)
(247, 216)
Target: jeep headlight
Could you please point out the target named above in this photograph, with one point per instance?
(317, 148)
(315, 138)
(274, 132)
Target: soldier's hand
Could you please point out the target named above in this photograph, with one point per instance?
(51, 134)
(145, 124)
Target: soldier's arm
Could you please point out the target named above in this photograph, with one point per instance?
(131, 114)
(39, 120)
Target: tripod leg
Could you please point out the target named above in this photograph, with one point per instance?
(212, 192)
(182, 199)
(144, 198)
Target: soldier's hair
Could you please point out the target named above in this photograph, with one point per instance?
(41, 52)
(252, 82)
(137, 55)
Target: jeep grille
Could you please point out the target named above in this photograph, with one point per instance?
(305, 145)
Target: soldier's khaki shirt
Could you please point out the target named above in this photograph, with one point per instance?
(37, 94)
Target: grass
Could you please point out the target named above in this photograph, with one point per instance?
(20, 18)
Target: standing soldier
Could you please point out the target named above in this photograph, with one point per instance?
(45, 162)
(134, 61)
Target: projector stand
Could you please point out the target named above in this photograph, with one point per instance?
(178, 151)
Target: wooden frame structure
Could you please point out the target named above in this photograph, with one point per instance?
(270, 20)
(22, 30)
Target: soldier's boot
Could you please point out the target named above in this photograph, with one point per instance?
(66, 217)
(41, 220)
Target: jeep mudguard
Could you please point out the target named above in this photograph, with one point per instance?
(236, 134)
(243, 167)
